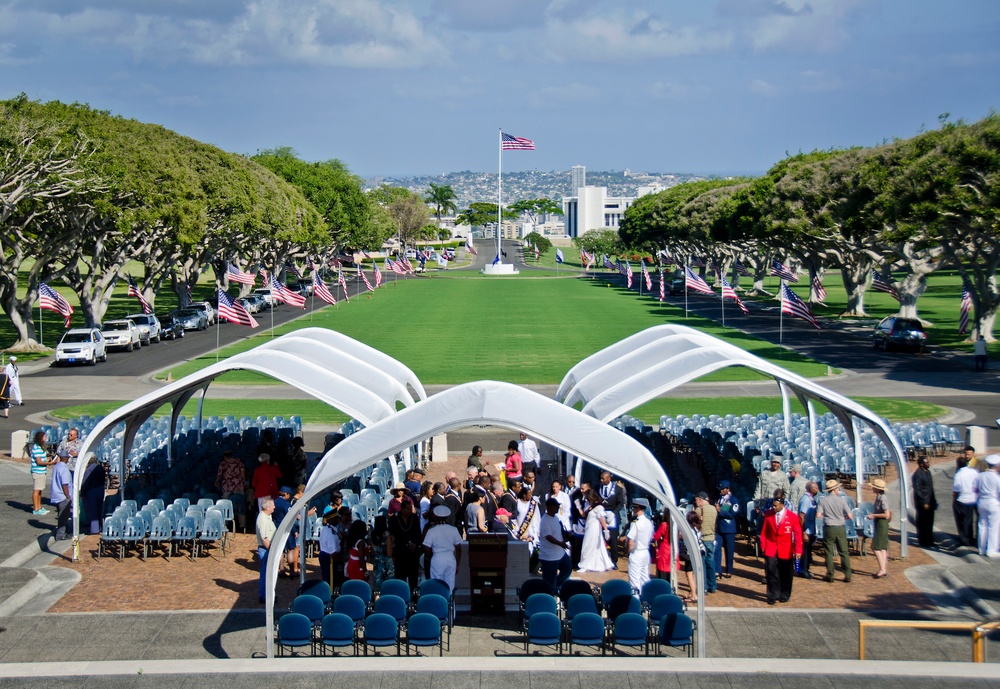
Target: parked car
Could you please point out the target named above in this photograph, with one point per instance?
(171, 328)
(206, 308)
(903, 333)
(149, 326)
(304, 287)
(255, 301)
(265, 293)
(677, 287)
(81, 346)
(122, 334)
(191, 319)
(245, 303)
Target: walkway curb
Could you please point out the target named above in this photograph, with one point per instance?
(968, 595)
(34, 587)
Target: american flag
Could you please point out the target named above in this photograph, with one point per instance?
(51, 300)
(233, 311)
(729, 293)
(818, 288)
(283, 294)
(965, 310)
(880, 285)
(368, 285)
(322, 291)
(628, 273)
(619, 267)
(343, 285)
(607, 263)
(407, 265)
(237, 275)
(537, 253)
(645, 275)
(295, 269)
(741, 269)
(667, 258)
(663, 289)
(584, 259)
(133, 291)
(515, 143)
(793, 306)
(779, 270)
(377, 273)
(695, 282)
(468, 247)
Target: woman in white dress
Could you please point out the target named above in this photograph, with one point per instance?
(594, 553)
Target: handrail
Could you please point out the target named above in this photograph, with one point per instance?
(979, 630)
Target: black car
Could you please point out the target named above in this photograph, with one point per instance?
(677, 287)
(171, 328)
(901, 333)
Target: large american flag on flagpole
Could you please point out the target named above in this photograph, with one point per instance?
(515, 143)
(133, 291)
(965, 311)
(233, 311)
(645, 275)
(368, 285)
(377, 273)
(793, 306)
(343, 285)
(729, 293)
(880, 285)
(628, 274)
(695, 282)
(51, 300)
(322, 291)
(283, 294)
(237, 275)
(818, 288)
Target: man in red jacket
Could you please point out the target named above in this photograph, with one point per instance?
(781, 543)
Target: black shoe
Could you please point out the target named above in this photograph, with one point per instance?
(782, 600)
(828, 579)
(847, 580)
(770, 601)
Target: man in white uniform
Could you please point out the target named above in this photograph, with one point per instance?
(442, 545)
(988, 504)
(640, 534)
(530, 459)
(14, 382)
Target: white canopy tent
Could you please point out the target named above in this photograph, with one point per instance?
(660, 359)
(330, 369)
(493, 403)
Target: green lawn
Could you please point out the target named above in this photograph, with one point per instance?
(524, 330)
(314, 411)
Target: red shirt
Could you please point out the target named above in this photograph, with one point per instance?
(781, 540)
(265, 481)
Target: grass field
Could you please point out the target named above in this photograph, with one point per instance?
(524, 330)
(316, 412)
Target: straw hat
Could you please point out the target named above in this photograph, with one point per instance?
(397, 488)
(832, 484)
(877, 484)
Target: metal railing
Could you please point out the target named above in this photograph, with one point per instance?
(979, 630)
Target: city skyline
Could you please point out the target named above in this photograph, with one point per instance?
(395, 88)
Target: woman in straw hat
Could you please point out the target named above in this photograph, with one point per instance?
(881, 514)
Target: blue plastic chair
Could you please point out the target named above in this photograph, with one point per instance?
(183, 503)
(662, 606)
(111, 536)
(439, 587)
(134, 533)
(131, 505)
(630, 630)
(161, 532)
(424, 631)
(653, 588)
(294, 631)
(352, 606)
(545, 629)
(574, 587)
(676, 630)
(156, 504)
(581, 603)
(381, 631)
(538, 603)
(395, 587)
(185, 534)
(587, 629)
(621, 605)
(395, 607)
(357, 587)
(213, 531)
(337, 631)
(613, 588)
(436, 605)
(310, 606)
(318, 588)
(206, 503)
(225, 505)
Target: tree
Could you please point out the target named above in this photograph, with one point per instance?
(598, 242)
(442, 198)
(532, 208)
(480, 213)
(406, 209)
(539, 241)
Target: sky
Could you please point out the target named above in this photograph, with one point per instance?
(407, 87)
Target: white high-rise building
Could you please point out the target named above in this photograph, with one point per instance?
(593, 209)
(577, 179)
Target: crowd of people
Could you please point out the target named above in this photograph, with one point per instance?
(975, 503)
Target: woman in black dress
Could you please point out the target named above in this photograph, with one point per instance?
(881, 516)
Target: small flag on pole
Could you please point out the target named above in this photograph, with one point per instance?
(133, 291)
(818, 288)
(779, 270)
(729, 293)
(377, 273)
(793, 306)
(322, 291)
(496, 260)
(343, 285)
(965, 310)
(695, 282)
(51, 300)
(607, 263)
(233, 311)
(663, 288)
(237, 275)
(515, 143)
(468, 247)
(628, 274)
(559, 256)
(741, 269)
(368, 285)
(285, 295)
(645, 275)
(880, 285)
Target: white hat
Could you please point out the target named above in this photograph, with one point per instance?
(993, 460)
(13, 358)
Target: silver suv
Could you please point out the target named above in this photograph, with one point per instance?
(205, 308)
(148, 324)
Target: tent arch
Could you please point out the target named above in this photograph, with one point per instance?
(496, 403)
(638, 372)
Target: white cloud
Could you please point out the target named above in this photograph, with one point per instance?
(352, 33)
(759, 87)
(792, 25)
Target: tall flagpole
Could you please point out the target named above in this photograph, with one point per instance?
(40, 337)
(781, 312)
(499, 184)
(722, 300)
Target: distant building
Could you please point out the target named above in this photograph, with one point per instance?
(577, 178)
(592, 209)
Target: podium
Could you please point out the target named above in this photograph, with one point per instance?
(487, 573)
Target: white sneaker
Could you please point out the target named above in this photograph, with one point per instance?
(996, 554)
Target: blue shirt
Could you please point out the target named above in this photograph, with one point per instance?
(60, 477)
(807, 510)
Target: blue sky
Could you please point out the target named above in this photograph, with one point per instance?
(422, 86)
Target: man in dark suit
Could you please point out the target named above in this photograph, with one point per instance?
(509, 499)
(925, 502)
(453, 499)
(613, 496)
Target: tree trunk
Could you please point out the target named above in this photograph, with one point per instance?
(909, 290)
(853, 278)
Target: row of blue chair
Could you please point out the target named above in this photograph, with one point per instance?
(338, 630)
(630, 630)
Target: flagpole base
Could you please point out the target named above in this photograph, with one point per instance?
(500, 269)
